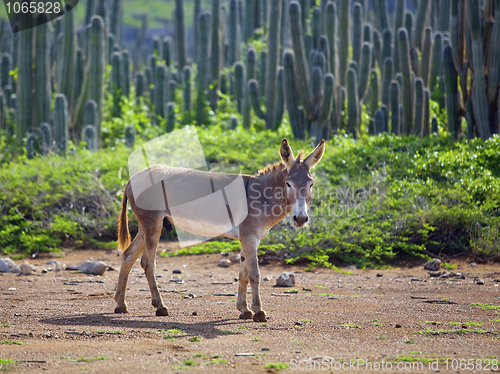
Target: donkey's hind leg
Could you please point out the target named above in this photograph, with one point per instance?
(148, 263)
(130, 256)
(250, 244)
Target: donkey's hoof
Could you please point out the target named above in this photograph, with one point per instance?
(162, 312)
(121, 309)
(246, 315)
(260, 316)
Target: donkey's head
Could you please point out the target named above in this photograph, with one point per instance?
(299, 181)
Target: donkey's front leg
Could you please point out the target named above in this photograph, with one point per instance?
(249, 245)
(241, 303)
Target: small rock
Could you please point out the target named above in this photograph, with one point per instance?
(224, 263)
(380, 275)
(433, 265)
(286, 280)
(445, 275)
(8, 266)
(177, 272)
(195, 314)
(90, 267)
(27, 269)
(351, 267)
(415, 280)
(224, 254)
(11, 289)
(236, 257)
(480, 282)
(44, 271)
(398, 326)
(267, 279)
(306, 289)
(435, 274)
(299, 324)
(473, 264)
(265, 349)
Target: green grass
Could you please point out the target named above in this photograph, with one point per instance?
(306, 320)
(408, 341)
(186, 364)
(12, 342)
(376, 322)
(241, 328)
(470, 323)
(194, 339)
(6, 364)
(117, 332)
(219, 361)
(173, 330)
(350, 324)
(430, 331)
(84, 359)
(276, 366)
(4, 324)
(257, 339)
(382, 337)
(486, 306)
(226, 332)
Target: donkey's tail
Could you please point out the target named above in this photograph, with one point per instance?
(123, 233)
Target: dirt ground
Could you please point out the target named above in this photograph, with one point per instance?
(63, 322)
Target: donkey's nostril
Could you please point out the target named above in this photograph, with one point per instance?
(295, 218)
(307, 219)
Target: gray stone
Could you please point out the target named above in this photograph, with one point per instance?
(224, 262)
(286, 280)
(8, 266)
(433, 265)
(90, 267)
(27, 269)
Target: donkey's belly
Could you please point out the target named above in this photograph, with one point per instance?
(205, 227)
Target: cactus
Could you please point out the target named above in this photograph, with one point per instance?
(251, 61)
(24, 84)
(385, 112)
(386, 80)
(364, 70)
(240, 84)
(126, 73)
(43, 88)
(387, 44)
(395, 113)
(427, 113)
(5, 77)
(407, 87)
(89, 136)
(216, 45)
(368, 33)
(374, 91)
(89, 11)
(97, 66)
(343, 39)
(90, 114)
(436, 61)
(353, 103)
(180, 33)
(46, 130)
(233, 122)
(166, 50)
(248, 27)
(450, 77)
(160, 90)
(409, 25)
(371, 127)
(3, 113)
(170, 115)
(494, 60)
(203, 47)
(331, 34)
(61, 122)
(383, 18)
(292, 102)
(31, 146)
(316, 26)
(420, 22)
(186, 89)
(444, 15)
(130, 134)
(400, 20)
(141, 85)
(171, 87)
(415, 61)
(234, 33)
(426, 61)
(151, 83)
(357, 32)
(418, 122)
(66, 85)
(379, 121)
(117, 81)
(9, 97)
(377, 48)
(115, 22)
(434, 125)
(285, 39)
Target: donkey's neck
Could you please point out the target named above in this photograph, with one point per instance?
(273, 178)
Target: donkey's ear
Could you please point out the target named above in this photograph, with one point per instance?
(314, 157)
(286, 153)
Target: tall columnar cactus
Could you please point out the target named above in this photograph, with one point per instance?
(343, 40)
(89, 11)
(234, 33)
(494, 60)
(395, 104)
(353, 109)
(116, 16)
(89, 136)
(383, 18)
(216, 51)
(436, 68)
(248, 27)
(292, 101)
(427, 113)
(117, 81)
(24, 86)
(79, 75)
(130, 134)
(316, 26)
(3, 113)
(407, 87)
(90, 114)
(43, 88)
(420, 22)
(180, 33)
(203, 48)
(364, 70)
(273, 91)
(357, 32)
(379, 121)
(386, 80)
(426, 61)
(444, 15)
(97, 65)
(66, 85)
(166, 50)
(46, 130)
(409, 25)
(32, 142)
(126, 73)
(240, 85)
(171, 88)
(377, 48)
(5, 77)
(387, 44)
(450, 77)
(374, 91)
(418, 122)
(399, 22)
(61, 122)
(415, 61)
(262, 72)
(331, 34)
(317, 103)
(251, 64)
(186, 88)
(160, 95)
(141, 85)
(170, 115)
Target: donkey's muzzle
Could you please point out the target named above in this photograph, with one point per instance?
(300, 220)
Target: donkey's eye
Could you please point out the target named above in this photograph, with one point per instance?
(288, 185)
(311, 185)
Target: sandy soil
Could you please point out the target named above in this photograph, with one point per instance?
(66, 324)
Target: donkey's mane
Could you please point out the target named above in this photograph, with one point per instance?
(278, 166)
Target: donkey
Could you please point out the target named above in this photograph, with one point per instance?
(271, 194)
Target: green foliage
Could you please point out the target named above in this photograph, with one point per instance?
(276, 366)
